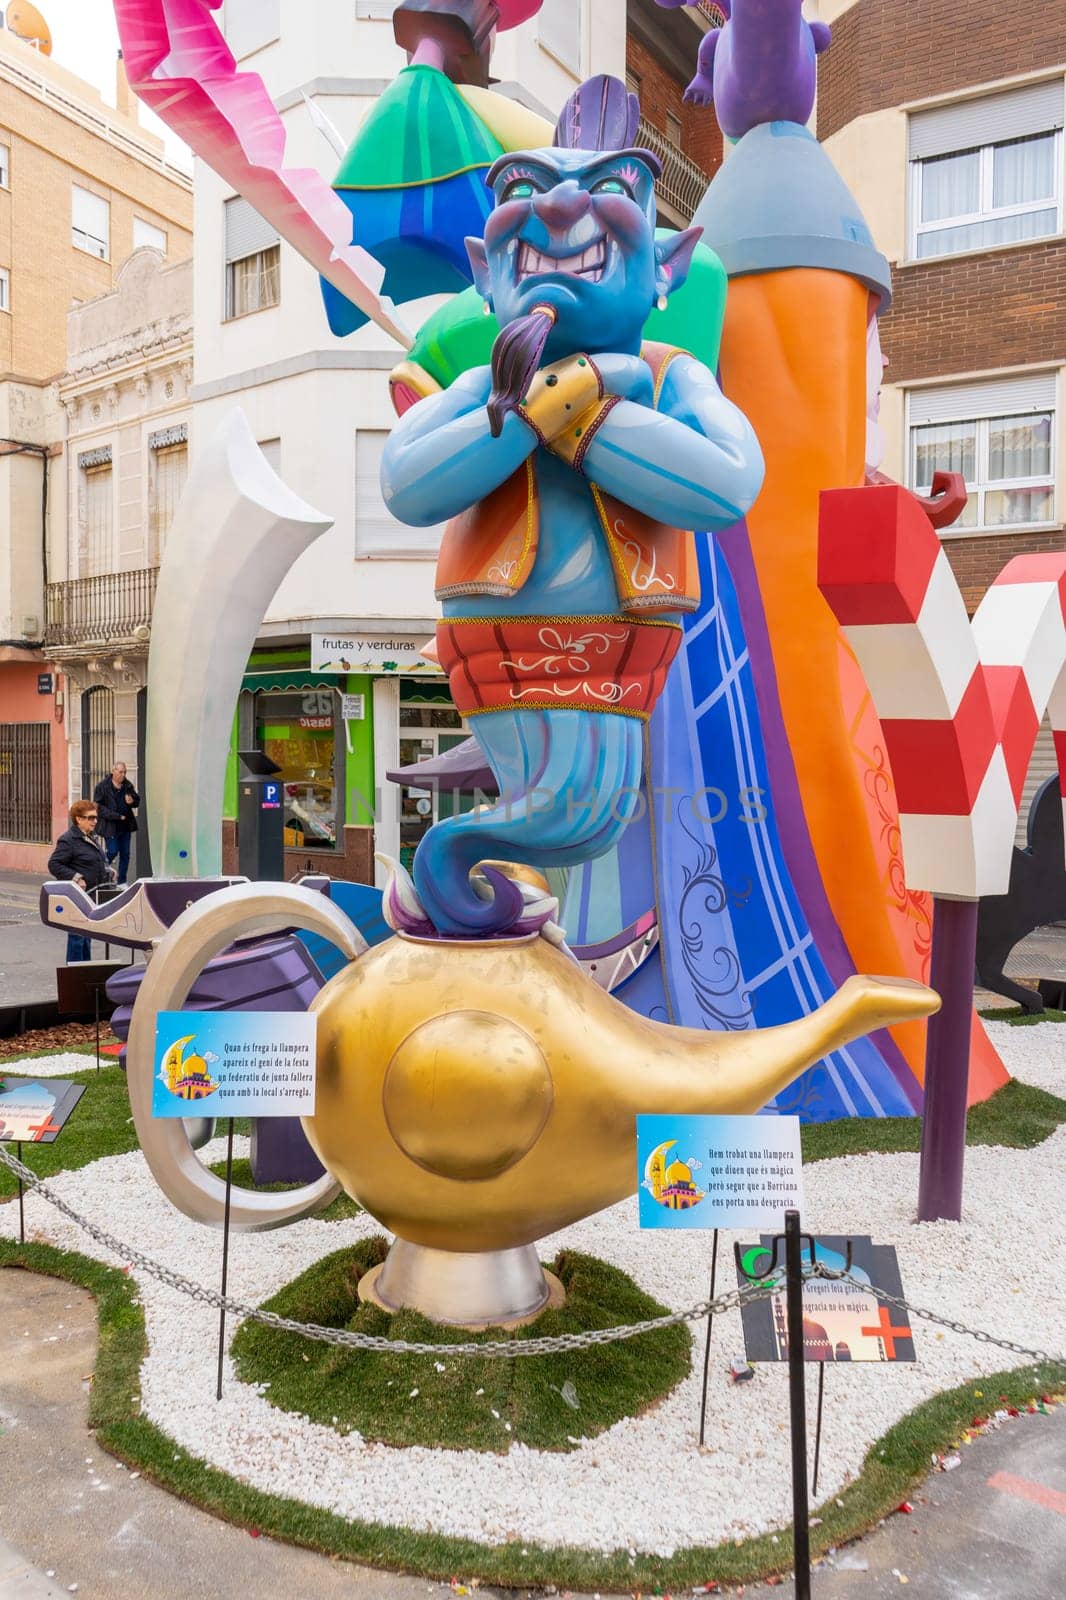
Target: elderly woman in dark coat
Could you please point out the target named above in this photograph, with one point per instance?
(79, 857)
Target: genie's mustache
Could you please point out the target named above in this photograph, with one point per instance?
(516, 355)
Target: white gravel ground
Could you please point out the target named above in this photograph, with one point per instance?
(644, 1484)
(61, 1066)
(1036, 1054)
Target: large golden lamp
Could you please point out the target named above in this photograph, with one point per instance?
(475, 1097)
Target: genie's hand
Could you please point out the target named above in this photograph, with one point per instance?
(627, 378)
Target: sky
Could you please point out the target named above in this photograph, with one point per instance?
(85, 41)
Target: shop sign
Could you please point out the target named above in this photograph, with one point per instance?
(353, 707)
(379, 653)
(44, 683)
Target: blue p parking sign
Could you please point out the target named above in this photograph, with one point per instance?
(271, 800)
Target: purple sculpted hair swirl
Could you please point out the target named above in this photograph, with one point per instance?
(516, 355)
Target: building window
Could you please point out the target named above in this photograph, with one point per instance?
(147, 235)
(559, 31)
(5, 289)
(300, 732)
(987, 172)
(1000, 434)
(168, 468)
(377, 532)
(253, 261)
(26, 782)
(91, 223)
(430, 726)
(5, 166)
(96, 513)
(251, 24)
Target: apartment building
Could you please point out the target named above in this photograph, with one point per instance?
(82, 186)
(948, 126)
(661, 50)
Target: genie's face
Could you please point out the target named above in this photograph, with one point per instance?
(575, 231)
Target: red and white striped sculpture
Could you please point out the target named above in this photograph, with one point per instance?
(960, 705)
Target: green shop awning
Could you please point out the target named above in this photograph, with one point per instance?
(281, 682)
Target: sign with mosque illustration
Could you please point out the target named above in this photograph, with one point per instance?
(234, 1064)
(33, 1111)
(718, 1172)
(841, 1321)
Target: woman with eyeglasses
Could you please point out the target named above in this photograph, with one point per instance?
(80, 858)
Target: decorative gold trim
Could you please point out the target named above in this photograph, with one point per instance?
(421, 381)
(558, 621)
(558, 705)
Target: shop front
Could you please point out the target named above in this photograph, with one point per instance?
(336, 717)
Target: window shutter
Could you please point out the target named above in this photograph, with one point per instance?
(91, 215)
(990, 397)
(1044, 765)
(377, 532)
(375, 10)
(147, 234)
(247, 233)
(968, 124)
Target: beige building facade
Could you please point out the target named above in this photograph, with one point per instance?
(82, 189)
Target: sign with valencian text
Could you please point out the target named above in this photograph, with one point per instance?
(234, 1064)
(718, 1172)
(33, 1111)
(842, 1321)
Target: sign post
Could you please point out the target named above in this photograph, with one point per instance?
(717, 1172)
(231, 1064)
(34, 1112)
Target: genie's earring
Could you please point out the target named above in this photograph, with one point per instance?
(662, 303)
(487, 309)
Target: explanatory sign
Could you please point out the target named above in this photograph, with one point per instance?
(234, 1064)
(841, 1321)
(718, 1172)
(34, 1112)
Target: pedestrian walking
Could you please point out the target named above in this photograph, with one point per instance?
(117, 799)
(80, 858)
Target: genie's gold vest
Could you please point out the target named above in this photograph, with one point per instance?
(491, 548)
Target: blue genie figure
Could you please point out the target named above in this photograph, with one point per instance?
(569, 472)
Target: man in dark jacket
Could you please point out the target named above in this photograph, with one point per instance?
(79, 858)
(116, 799)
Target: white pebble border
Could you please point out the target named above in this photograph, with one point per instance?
(61, 1066)
(1035, 1053)
(644, 1485)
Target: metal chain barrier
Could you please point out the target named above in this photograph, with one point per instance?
(510, 1349)
(1042, 1356)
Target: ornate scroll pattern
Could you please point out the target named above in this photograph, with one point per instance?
(913, 902)
(643, 581)
(718, 991)
(566, 653)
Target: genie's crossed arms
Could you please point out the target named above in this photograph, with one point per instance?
(573, 235)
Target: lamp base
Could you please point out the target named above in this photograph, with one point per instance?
(489, 1289)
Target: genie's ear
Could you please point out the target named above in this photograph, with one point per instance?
(479, 261)
(673, 257)
(822, 35)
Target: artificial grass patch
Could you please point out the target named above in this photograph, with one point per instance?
(1016, 1116)
(461, 1403)
(892, 1468)
(341, 1209)
(1018, 1017)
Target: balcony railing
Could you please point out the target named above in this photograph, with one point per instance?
(683, 184)
(106, 610)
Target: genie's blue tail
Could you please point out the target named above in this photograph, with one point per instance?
(569, 784)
